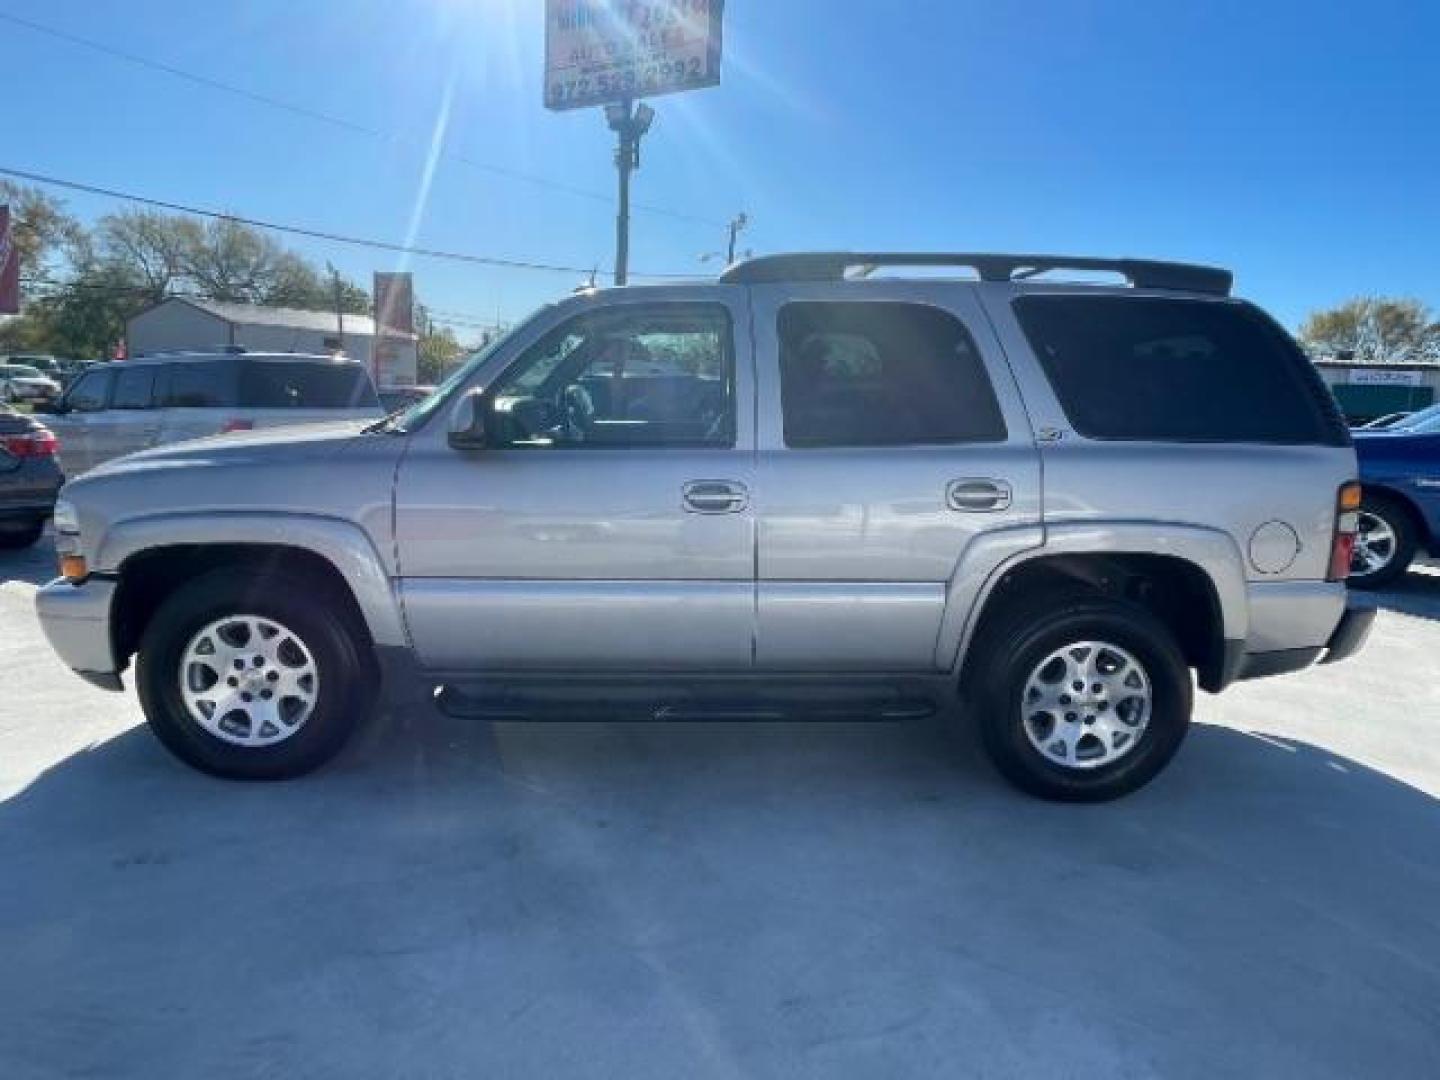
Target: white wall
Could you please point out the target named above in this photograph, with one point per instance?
(175, 326)
(288, 339)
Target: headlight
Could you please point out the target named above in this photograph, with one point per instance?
(67, 521)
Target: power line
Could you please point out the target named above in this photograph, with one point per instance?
(313, 234)
(335, 121)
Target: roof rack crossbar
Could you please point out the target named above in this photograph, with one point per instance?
(834, 266)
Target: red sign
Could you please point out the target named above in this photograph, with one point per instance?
(9, 266)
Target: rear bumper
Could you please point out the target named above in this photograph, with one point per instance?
(34, 393)
(1350, 636)
(76, 621)
(1285, 616)
(29, 489)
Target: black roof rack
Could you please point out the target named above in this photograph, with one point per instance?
(833, 266)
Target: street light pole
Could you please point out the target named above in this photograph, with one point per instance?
(738, 222)
(629, 122)
(625, 160)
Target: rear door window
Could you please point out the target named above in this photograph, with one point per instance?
(882, 374)
(1172, 370)
(282, 384)
(201, 384)
(134, 388)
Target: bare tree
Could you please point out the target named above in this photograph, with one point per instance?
(1375, 330)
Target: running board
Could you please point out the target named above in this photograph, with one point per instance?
(459, 704)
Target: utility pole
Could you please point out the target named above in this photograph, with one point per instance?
(738, 222)
(339, 307)
(629, 122)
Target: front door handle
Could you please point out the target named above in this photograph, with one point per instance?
(715, 496)
(978, 494)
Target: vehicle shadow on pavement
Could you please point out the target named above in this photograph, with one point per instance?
(1417, 593)
(462, 898)
(34, 565)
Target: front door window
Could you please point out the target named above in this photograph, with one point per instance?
(645, 377)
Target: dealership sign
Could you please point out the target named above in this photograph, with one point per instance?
(9, 266)
(1379, 376)
(600, 51)
(394, 296)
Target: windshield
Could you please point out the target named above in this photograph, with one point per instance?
(417, 414)
(1424, 422)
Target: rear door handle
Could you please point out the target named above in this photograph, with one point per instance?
(715, 496)
(978, 494)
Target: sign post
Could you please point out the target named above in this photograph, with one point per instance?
(9, 266)
(611, 52)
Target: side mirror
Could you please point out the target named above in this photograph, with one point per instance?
(467, 422)
(48, 408)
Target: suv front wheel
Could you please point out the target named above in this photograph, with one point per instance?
(252, 675)
(1080, 698)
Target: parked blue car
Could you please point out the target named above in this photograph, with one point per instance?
(1400, 515)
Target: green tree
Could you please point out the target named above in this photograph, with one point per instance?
(1375, 330)
(45, 235)
(85, 322)
(79, 287)
(221, 259)
(438, 348)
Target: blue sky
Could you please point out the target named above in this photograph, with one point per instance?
(1298, 143)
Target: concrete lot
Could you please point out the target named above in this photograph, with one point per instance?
(627, 900)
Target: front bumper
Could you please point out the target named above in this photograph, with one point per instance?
(76, 621)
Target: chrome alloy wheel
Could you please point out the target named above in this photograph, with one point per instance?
(1375, 544)
(248, 680)
(1087, 704)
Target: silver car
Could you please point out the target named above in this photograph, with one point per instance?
(803, 490)
(115, 409)
(21, 382)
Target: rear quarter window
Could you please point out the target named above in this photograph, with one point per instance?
(1173, 370)
(279, 384)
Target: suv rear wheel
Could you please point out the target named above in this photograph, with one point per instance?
(251, 675)
(1083, 698)
(1384, 544)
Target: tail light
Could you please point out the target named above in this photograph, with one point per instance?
(32, 444)
(237, 425)
(1347, 524)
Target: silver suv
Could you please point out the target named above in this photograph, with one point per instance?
(805, 490)
(115, 409)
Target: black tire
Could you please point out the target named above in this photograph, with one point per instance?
(319, 619)
(13, 537)
(1015, 646)
(1399, 521)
